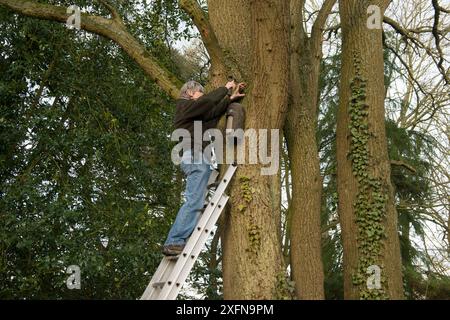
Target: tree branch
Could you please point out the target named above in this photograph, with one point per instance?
(438, 7)
(297, 33)
(108, 28)
(402, 31)
(115, 15)
(319, 24)
(297, 8)
(406, 34)
(403, 164)
(403, 62)
(437, 10)
(332, 224)
(201, 21)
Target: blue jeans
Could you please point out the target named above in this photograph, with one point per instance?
(187, 217)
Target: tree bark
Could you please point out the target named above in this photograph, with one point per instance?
(231, 22)
(366, 200)
(255, 35)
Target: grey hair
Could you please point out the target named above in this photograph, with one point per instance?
(192, 86)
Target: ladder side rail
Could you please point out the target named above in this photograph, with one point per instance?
(177, 267)
(181, 277)
(157, 277)
(183, 257)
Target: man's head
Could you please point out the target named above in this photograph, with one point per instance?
(191, 90)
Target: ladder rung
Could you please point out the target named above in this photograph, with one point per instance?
(159, 284)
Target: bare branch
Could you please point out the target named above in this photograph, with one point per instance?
(437, 10)
(403, 164)
(201, 21)
(408, 69)
(437, 6)
(319, 23)
(407, 35)
(298, 33)
(297, 30)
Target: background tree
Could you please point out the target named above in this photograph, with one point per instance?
(301, 125)
(366, 199)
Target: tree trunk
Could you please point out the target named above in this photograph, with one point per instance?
(256, 33)
(300, 128)
(366, 200)
(306, 260)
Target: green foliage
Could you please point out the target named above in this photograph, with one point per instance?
(254, 238)
(285, 288)
(206, 275)
(413, 192)
(433, 286)
(246, 189)
(86, 176)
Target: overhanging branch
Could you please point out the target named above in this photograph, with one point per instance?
(114, 13)
(108, 28)
(405, 65)
(437, 6)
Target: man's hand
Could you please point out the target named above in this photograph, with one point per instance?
(231, 85)
(238, 92)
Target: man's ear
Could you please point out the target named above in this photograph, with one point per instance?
(190, 93)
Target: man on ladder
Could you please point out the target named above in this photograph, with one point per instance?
(194, 105)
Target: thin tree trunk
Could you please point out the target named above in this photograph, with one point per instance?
(300, 128)
(306, 260)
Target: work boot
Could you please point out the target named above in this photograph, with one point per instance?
(173, 249)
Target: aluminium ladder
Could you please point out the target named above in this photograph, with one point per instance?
(172, 272)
